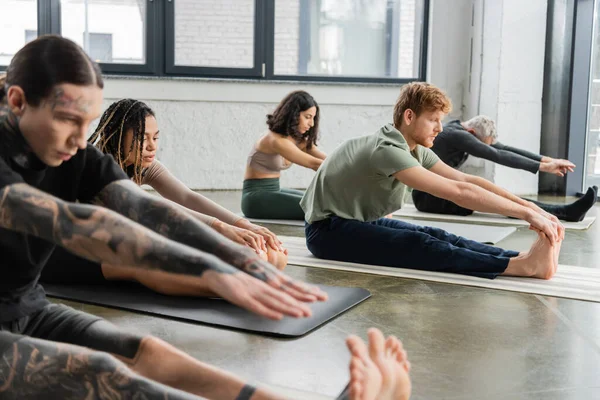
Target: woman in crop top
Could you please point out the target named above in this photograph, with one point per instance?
(129, 132)
(292, 139)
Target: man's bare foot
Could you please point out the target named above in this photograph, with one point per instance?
(365, 378)
(403, 385)
(382, 372)
(390, 358)
(556, 248)
(540, 262)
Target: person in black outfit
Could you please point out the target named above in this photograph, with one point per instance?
(478, 137)
(58, 190)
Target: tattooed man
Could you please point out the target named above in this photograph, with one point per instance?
(55, 189)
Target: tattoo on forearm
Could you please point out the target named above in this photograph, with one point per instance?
(174, 223)
(99, 234)
(34, 369)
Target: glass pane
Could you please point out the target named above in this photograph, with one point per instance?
(367, 38)
(110, 31)
(593, 140)
(211, 33)
(19, 26)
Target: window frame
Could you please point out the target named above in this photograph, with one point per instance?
(160, 47)
(256, 71)
(580, 94)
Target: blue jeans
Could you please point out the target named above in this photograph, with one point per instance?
(395, 243)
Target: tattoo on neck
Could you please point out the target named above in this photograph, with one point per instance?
(12, 138)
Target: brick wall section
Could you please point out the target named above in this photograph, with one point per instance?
(287, 25)
(407, 34)
(214, 33)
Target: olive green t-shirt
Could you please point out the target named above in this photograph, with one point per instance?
(356, 182)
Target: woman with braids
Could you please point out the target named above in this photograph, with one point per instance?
(292, 139)
(58, 190)
(128, 131)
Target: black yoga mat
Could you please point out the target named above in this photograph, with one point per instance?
(209, 311)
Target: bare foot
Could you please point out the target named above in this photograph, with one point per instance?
(540, 262)
(402, 366)
(556, 247)
(390, 358)
(365, 378)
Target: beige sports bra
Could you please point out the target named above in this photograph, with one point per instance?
(267, 163)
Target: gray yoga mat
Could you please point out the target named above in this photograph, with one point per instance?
(209, 311)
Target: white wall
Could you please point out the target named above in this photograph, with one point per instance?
(208, 127)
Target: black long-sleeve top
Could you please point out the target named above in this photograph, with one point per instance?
(454, 144)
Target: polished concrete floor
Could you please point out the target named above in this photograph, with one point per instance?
(463, 342)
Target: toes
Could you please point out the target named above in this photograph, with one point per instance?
(357, 378)
(407, 366)
(395, 346)
(356, 391)
(356, 363)
(357, 347)
(376, 343)
(390, 347)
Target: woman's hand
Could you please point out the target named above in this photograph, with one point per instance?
(241, 236)
(268, 236)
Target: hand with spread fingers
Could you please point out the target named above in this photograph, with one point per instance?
(256, 296)
(267, 273)
(557, 166)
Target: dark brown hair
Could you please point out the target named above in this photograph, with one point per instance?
(284, 119)
(120, 117)
(46, 62)
(419, 97)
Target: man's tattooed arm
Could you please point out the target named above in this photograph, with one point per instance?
(99, 234)
(126, 198)
(37, 369)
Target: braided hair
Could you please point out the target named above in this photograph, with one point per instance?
(119, 118)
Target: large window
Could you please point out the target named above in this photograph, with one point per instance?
(110, 31)
(19, 25)
(360, 38)
(339, 40)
